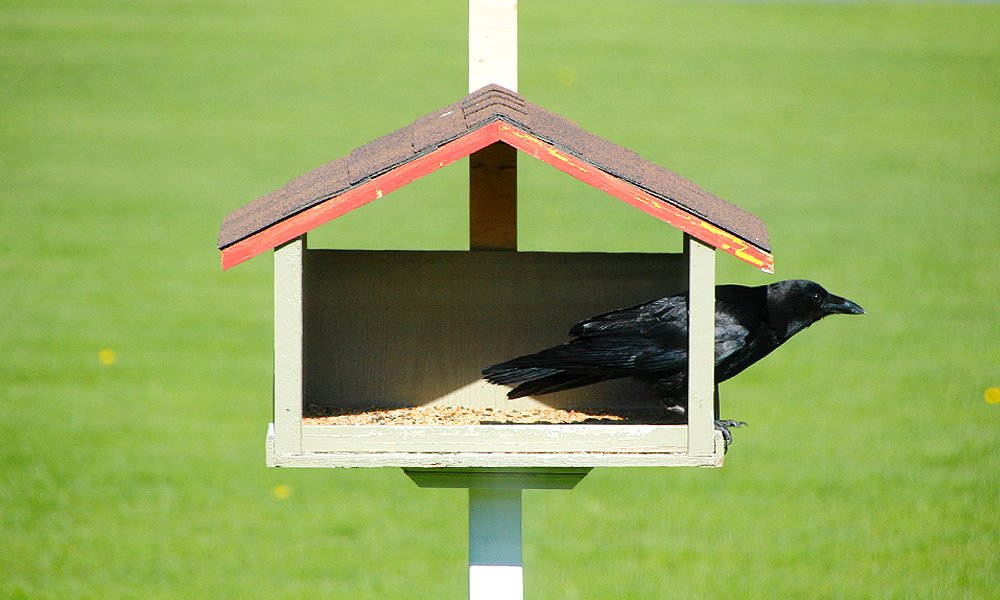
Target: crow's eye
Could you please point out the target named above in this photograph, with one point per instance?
(817, 298)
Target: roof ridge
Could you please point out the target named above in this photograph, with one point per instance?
(492, 91)
(489, 101)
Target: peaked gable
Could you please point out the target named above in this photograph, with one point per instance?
(489, 115)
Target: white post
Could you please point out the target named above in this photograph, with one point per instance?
(493, 170)
(495, 567)
(492, 43)
(495, 544)
(494, 512)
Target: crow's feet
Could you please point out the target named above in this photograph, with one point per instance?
(723, 425)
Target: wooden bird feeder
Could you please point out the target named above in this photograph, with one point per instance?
(359, 330)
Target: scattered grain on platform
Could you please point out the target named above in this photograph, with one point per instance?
(463, 415)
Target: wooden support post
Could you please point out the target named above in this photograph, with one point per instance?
(495, 567)
(495, 571)
(492, 43)
(493, 170)
(701, 346)
(493, 198)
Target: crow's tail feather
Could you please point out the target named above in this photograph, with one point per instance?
(509, 373)
(554, 383)
(535, 380)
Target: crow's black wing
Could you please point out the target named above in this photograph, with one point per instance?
(643, 338)
(653, 336)
(666, 317)
(618, 321)
(606, 352)
(731, 336)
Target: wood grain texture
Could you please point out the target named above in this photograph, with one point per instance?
(493, 198)
(397, 328)
(492, 43)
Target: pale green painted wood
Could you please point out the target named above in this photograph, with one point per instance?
(352, 315)
(497, 438)
(701, 346)
(491, 459)
(551, 478)
(288, 329)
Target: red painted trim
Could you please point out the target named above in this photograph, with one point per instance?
(311, 218)
(497, 131)
(595, 177)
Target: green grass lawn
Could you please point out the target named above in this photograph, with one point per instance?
(866, 136)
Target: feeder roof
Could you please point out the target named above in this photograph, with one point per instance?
(488, 115)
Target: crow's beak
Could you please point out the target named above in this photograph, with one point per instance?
(836, 304)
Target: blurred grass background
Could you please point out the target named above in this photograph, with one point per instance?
(136, 375)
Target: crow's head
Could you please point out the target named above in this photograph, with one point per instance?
(799, 303)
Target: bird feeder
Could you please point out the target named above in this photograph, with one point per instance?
(361, 329)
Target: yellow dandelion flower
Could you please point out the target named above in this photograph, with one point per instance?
(282, 491)
(992, 395)
(107, 357)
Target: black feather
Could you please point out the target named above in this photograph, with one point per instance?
(649, 341)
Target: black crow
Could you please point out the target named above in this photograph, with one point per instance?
(649, 342)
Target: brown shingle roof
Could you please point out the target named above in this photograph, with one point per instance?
(485, 105)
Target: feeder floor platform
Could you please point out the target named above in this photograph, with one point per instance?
(443, 436)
